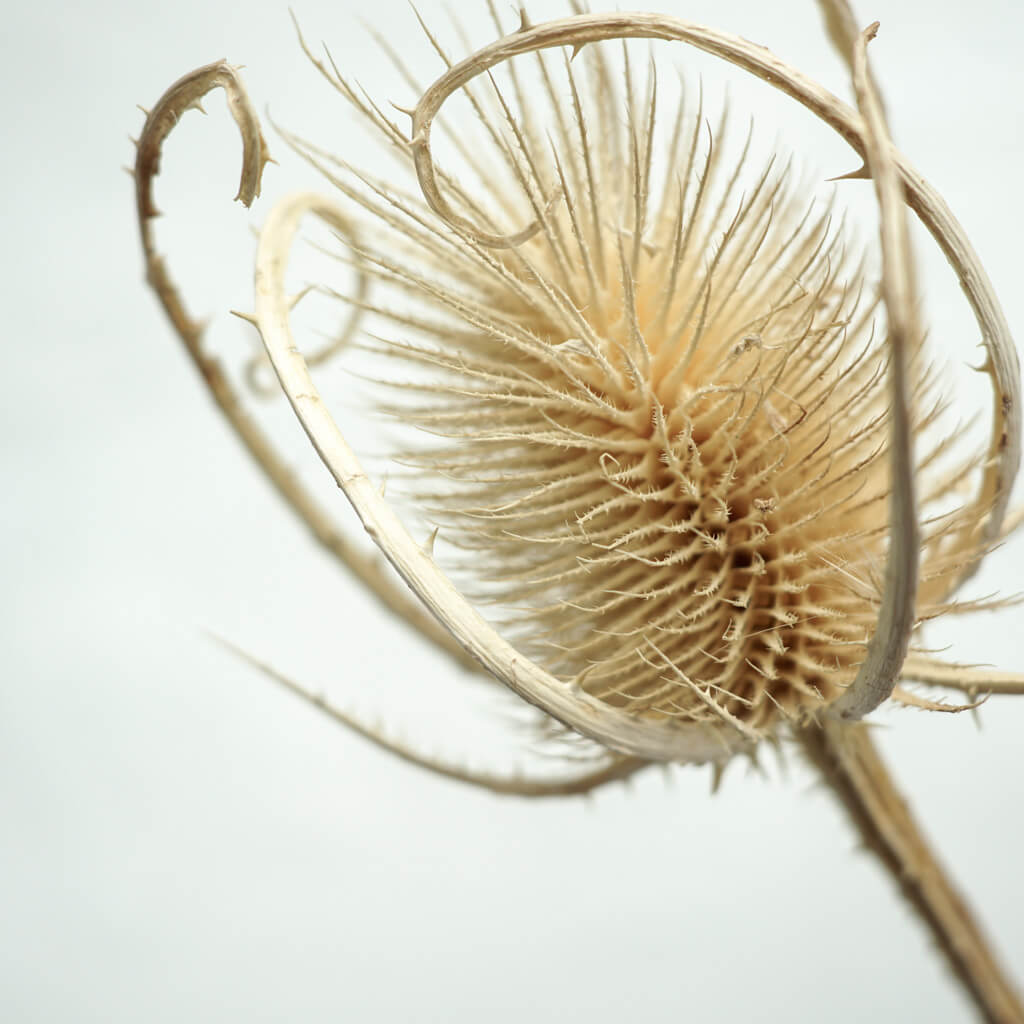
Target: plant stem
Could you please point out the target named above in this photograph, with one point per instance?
(849, 762)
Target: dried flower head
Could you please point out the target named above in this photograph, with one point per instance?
(672, 417)
(663, 417)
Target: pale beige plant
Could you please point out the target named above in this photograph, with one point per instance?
(675, 425)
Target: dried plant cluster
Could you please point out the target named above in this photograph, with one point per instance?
(673, 421)
(662, 419)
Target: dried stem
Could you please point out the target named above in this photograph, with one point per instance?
(970, 679)
(850, 764)
(613, 769)
(267, 388)
(880, 670)
(909, 699)
(179, 98)
(1002, 364)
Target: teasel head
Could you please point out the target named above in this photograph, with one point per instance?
(680, 440)
(687, 447)
(688, 443)
(662, 419)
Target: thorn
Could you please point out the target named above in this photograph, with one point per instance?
(717, 774)
(576, 683)
(134, 141)
(408, 111)
(382, 490)
(248, 317)
(294, 300)
(974, 712)
(524, 21)
(861, 174)
(130, 171)
(428, 547)
(575, 51)
(196, 105)
(143, 109)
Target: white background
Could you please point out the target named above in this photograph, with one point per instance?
(180, 840)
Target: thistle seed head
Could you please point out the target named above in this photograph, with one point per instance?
(661, 415)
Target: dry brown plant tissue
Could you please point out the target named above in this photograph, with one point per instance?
(685, 439)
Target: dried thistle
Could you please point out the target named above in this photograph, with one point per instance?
(674, 422)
